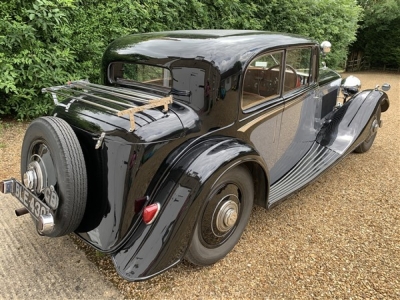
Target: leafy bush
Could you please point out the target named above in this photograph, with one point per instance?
(34, 52)
(378, 37)
(48, 42)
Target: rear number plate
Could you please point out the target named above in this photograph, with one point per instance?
(34, 205)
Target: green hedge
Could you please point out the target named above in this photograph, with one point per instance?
(45, 43)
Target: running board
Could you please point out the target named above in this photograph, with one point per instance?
(314, 162)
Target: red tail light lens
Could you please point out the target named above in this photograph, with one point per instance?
(150, 212)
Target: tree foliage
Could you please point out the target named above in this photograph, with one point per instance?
(379, 34)
(48, 42)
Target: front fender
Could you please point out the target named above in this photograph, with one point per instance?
(152, 249)
(349, 125)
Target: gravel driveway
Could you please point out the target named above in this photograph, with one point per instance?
(35, 267)
(337, 238)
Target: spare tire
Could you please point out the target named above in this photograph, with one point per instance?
(52, 151)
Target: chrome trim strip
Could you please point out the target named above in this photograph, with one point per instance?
(270, 113)
(293, 102)
(298, 96)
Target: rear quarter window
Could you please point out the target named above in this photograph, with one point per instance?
(125, 73)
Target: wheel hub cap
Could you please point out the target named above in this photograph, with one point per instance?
(33, 177)
(227, 216)
(30, 179)
(375, 126)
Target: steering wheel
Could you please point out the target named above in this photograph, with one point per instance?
(288, 66)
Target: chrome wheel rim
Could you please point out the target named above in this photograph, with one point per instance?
(373, 130)
(227, 215)
(40, 175)
(221, 215)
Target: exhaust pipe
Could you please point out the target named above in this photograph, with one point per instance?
(21, 211)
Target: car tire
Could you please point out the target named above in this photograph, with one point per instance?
(215, 234)
(51, 148)
(367, 144)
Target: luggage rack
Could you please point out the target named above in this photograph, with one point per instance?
(80, 88)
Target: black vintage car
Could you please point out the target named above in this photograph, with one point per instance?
(165, 160)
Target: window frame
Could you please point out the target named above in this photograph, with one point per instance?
(311, 75)
(247, 111)
(133, 82)
(251, 107)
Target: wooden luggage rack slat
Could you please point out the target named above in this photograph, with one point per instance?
(76, 90)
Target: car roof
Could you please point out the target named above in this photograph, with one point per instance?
(222, 48)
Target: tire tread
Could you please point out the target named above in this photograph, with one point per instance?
(73, 167)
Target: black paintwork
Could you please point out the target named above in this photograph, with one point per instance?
(174, 158)
(226, 50)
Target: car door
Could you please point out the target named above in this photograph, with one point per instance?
(299, 157)
(262, 105)
(297, 128)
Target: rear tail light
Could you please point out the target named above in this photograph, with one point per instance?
(150, 212)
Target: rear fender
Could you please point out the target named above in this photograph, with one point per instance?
(348, 126)
(151, 249)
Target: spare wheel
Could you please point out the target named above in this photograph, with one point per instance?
(52, 159)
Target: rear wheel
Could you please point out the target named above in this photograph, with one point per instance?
(223, 218)
(367, 144)
(52, 162)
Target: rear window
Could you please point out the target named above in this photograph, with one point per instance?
(126, 73)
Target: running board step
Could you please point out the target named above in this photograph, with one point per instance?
(314, 162)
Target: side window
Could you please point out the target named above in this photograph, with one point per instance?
(126, 73)
(298, 69)
(262, 79)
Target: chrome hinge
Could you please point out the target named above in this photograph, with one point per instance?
(99, 140)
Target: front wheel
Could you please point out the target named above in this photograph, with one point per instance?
(223, 218)
(367, 144)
